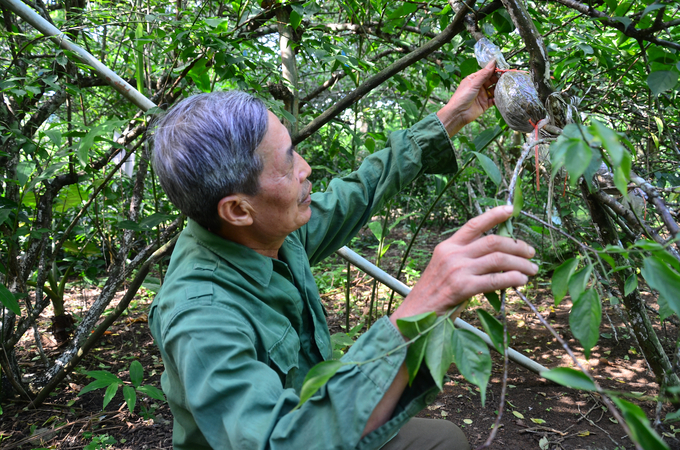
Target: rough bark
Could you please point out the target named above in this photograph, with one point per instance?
(289, 72)
(63, 370)
(539, 63)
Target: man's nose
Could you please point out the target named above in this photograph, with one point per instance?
(305, 169)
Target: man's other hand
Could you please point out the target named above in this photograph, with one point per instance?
(471, 99)
(469, 263)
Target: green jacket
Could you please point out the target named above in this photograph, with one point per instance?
(239, 331)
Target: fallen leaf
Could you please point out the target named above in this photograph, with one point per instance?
(538, 421)
(518, 415)
(467, 421)
(584, 433)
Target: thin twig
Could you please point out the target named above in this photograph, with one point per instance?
(504, 383)
(598, 388)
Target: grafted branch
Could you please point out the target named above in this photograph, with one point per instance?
(539, 63)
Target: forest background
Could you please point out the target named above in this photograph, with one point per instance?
(80, 206)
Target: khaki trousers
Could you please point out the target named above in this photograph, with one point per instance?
(428, 434)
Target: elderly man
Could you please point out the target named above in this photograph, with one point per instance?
(239, 321)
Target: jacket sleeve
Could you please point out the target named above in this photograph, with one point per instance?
(349, 202)
(237, 402)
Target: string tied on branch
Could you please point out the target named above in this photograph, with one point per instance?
(515, 95)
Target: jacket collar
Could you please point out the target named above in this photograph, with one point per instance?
(246, 260)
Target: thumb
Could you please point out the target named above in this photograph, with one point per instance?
(480, 77)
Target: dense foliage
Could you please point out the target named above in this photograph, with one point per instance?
(80, 204)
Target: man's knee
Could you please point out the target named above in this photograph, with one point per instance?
(449, 436)
(429, 434)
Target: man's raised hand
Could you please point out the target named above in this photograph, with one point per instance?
(470, 263)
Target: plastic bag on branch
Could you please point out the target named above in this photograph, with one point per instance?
(515, 95)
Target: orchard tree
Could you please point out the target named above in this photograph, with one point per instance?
(599, 194)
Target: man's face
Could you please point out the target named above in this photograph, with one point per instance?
(282, 204)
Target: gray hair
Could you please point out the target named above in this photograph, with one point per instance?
(204, 150)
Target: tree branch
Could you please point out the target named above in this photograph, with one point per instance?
(455, 27)
(538, 55)
(629, 31)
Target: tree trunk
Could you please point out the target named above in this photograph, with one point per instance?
(289, 72)
(635, 305)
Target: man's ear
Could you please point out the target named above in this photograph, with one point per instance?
(235, 210)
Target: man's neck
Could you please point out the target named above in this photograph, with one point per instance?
(243, 237)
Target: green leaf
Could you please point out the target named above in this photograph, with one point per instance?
(585, 319)
(130, 397)
(578, 282)
(412, 327)
(295, 19)
(370, 144)
(136, 373)
(4, 214)
(9, 301)
(489, 167)
(104, 375)
(152, 392)
(316, 378)
(493, 328)
(87, 141)
(54, 136)
(646, 244)
(486, 137)
(661, 81)
(622, 177)
(560, 279)
(139, 47)
(148, 223)
(518, 200)
(439, 353)
(24, 171)
(661, 277)
(568, 377)
(97, 384)
(640, 429)
(631, 285)
(610, 141)
(472, 358)
(404, 10)
(505, 229)
(492, 297)
(652, 7)
(577, 159)
(109, 394)
(341, 340)
(376, 229)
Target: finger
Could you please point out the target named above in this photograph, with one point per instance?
(494, 243)
(496, 281)
(475, 228)
(502, 262)
(480, 77)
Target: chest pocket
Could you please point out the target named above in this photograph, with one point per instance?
(284, 354)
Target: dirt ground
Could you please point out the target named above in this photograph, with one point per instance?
(537, 413)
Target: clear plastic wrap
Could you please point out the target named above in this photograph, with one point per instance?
(517, 100)
(485, 51)
(515, 95)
